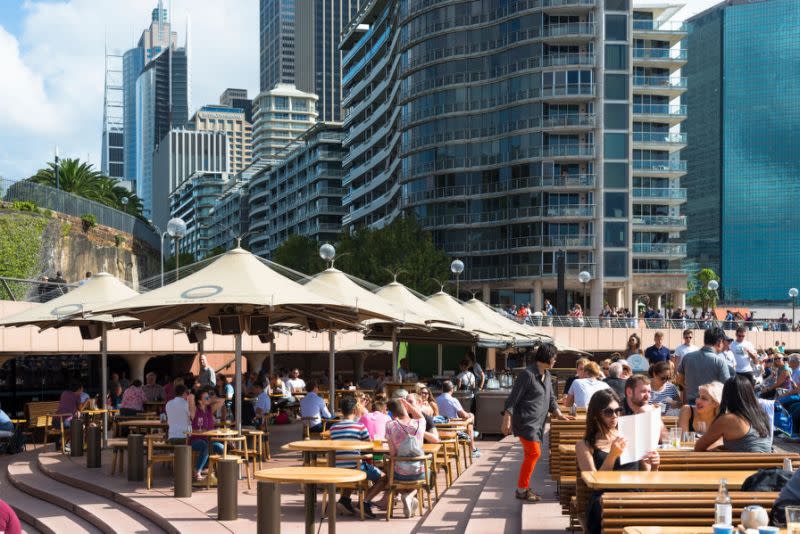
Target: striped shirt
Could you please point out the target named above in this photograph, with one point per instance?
(352, 430)
(669, 391)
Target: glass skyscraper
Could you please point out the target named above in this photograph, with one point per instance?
(744, 112)
(276, 23)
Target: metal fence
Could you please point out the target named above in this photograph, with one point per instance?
(56, 200)
(762, 325)
(23, 290)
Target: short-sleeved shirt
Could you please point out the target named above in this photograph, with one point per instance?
(68, 403)
(529, 402)
(702, 367)
(582, 390)
(9, 522)
(655, 354)
(133, 399)
(730, 358)
(178, 418)
(263, 402)
(396, 433)
(228, 391)
(314, 406)
(352, 430)
(375, 423)
(466, 380)
(207, 377)
(448, 405)
(154, 392)
(740, 353)
(682, 350)
(296, 385)
(477, 370)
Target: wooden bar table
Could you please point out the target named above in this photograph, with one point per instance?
(663, 480)
(269, 497)
(314, 447)
(144, 424)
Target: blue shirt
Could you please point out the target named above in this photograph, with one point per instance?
(4, 418)
(263, 402)
(655, 355)
(448, 406)
(314, 406)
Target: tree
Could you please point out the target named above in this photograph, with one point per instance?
(187, 258)
(300, 253)
(83, 180)
(701, 296)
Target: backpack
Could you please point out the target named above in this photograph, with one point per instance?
(410, 448)
(771, 479)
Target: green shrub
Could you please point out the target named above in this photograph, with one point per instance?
(46, 212)
(119, 240)
(89, 221)
(22, 205)
(65, 229)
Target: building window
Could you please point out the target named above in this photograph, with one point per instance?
(615, 146)
(616, 57)
(616, 116)
(615, 205)
(615, 175)
(615, 234)
(616, 28)
(615, 264)
(618, 5)
(616, 86)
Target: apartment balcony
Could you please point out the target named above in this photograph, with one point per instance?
(570, 32)
(569, 211)
(672, 58)
(567, 7)
(669, 168)
(568, 241)
(659, 85)
(576, 151)
(569, 122)
(659, 141)
(568, 60)
(671, 114)
(671, 31)
(569, 93)
(659, 223)
(660, 195)
(659, 250)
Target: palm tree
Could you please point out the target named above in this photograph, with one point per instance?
(83, 180)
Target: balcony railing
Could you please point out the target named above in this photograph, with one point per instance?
(666, 249)
(659, 165)
(571, 89)
(577, 150)
(659, 26)
(660, 192)
(561, 60)
(660, 82)
(668, 110)
(568, 241)
(651, 137)
(570, 210)
(660, 220)
(667, 54)
(569, 29)
(572, 119)
(568, 3)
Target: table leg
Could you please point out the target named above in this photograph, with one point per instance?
(268, 508)
(331, 458)
(311, 505)
(306, 459)
(331, 508)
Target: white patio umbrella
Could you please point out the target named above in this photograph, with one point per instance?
(238, 293)
(76, 308)
(523, 335)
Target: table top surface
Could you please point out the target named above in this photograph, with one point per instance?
(311, 475)
(660, 480)
(216, 433)
(97, 412)
(156, 423)
(327, 445)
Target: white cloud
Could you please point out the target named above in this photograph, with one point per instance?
(55, 69)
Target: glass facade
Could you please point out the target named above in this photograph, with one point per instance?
(276, 22)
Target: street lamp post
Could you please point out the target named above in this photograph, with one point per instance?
(793, 293)
(584, 277)
(457, 267)
(713, 285)
(176, 229)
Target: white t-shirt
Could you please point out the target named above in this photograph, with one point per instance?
(296, 385)
(729, 357)
(466, 379)
(178, 418)
(683, 350)
(740, 354)
(582, 390)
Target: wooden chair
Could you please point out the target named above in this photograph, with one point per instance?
(359, 487)
(48, 421)
(259, 445)
(241, 455)
(451, 450)
(422, 485)
(308, 422)
(158, 453)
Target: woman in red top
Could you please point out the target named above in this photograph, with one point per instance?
(204, 420)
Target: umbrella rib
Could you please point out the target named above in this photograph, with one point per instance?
(170, 320)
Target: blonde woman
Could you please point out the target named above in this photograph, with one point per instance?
(698, 418)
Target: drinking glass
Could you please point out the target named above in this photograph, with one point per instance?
(675, 436)
(689, 438)
(793, 519)
(700, 428)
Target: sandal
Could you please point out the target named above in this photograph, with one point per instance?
(527, 495)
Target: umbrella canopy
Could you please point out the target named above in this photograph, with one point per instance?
(489, 335)
(523, 336)
(76, 307)
(238, 283)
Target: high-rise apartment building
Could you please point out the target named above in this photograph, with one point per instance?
(744, 152)
(300, 193)
(232, 122)
(518, 132)
(281, 115)
(194, 201)
(237, 98)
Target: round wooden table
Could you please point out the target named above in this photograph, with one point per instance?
(314, 447)
(269, 496)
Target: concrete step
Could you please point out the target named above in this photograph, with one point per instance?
(27, 529)
(105, 514)
(40, 516)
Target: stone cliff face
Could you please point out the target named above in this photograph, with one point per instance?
(39, 244)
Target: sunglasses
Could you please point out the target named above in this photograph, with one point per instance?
(687, 337)
(611, 412)
(664, 378)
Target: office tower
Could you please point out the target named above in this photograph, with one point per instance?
(281, 115)
(193, 201)
(518, 134)
(180, 155)
(276, 22)
(237, 98)
(744, 151)
(152, 42)
(232, 122)
(161, 103)
(300, 193)
(112, 160)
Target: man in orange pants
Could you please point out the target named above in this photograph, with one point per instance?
(525, 414)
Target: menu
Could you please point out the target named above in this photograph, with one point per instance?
(642, 432)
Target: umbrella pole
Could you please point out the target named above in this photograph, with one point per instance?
(104, 379)
(332, 370)
(238, 382)
(395, 375)
(272, 355)
(439, 359)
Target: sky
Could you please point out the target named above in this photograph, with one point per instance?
(52, 61)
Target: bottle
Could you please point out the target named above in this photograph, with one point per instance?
(723, 510)
(787, 465)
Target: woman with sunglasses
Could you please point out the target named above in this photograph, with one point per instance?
(601, 448)
(663, 392)
(426, 397)
(204, 420)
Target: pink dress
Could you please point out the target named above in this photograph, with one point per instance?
(375, 423)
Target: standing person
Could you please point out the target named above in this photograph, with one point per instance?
(465, 380)
(703, 366)
(684, 348)
(525, 413)
(601, 448)
(633, 355)
(657, 352)
(745, 354)
(476, 369)
(727, 353)
(582, 389)
(742, 424)
(206, 377)
(61, 287)
(132, 399)
(404, 373)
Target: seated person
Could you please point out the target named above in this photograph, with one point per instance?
(5, 423)
(582, 389)
(278, 387)
(406, 422)
(451, 408)
(203, 419)
(375, 421)
(662, 391)
(262, 406)
(296, 385)
(431, 433)
(369, 381)
(615, 378)
(742, 423)
(637, 395)
(152, 391)
(578, 372)
(698, 418)
(780, 377)
(350, 429)
(601, 448)
(132, 399)
(313, 407)
(180, 413)
(69, 404)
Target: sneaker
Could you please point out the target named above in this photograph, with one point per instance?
(476, 453)
(345, 506)
(368, 510)
(408, 505)
(475, 434)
